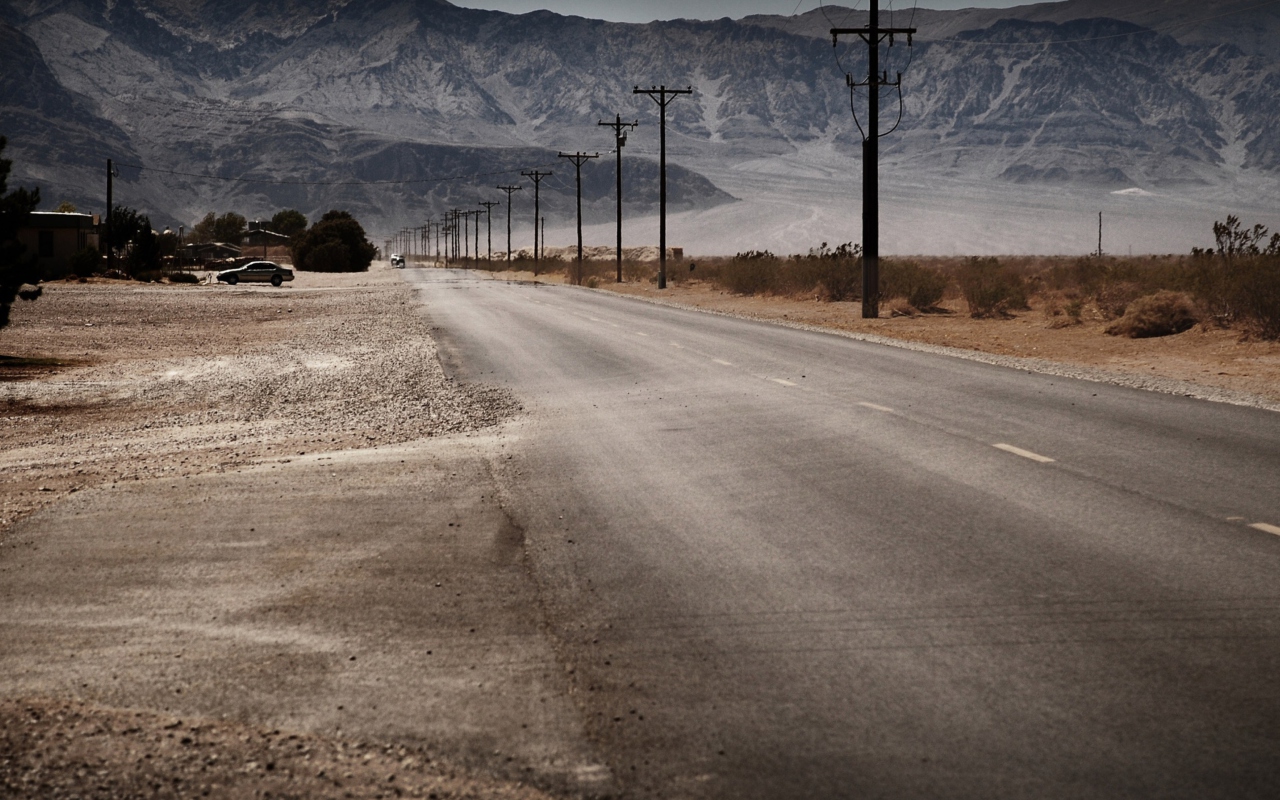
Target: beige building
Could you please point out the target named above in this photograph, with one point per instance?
(54, 238)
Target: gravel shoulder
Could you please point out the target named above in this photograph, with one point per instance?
(252, 543)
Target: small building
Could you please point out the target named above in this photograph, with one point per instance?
(208, 251)
(261, 237)
(55, 237)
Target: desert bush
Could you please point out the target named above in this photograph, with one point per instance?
(149, 276)
(921, 287)
(1063, 309)
(1113, 298)
(85, 262)
(991, 289)
(1161, 314)
(751, 273)
(331, 256)
(638, 271)
(1258, 295)
(182, 277)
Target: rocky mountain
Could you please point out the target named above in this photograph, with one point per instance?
(372, 105)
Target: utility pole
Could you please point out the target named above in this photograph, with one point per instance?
(510, 190)
(1099, 234)
(111, 251)
(619, 141)
(872, 35)
(544, 231)
(488, 218)
(662, 96)
(578, 160)
(536, 177)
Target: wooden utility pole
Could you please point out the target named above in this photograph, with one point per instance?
(873, 35)
(662, 96)
(578, 160)
(111, 250)
(536, 177)
(1099, 234)
(488, 218)
(620, 141)
(510, 190)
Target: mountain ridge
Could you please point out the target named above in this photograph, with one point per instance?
(303, 89)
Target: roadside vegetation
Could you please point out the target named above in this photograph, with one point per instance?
(1234, 285)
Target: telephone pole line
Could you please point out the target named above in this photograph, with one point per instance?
(536, 177)
(619, 141)
(578, 160)
(662, 96)
(872, 35)
(111, 250)
(510, 190)
(488, 218)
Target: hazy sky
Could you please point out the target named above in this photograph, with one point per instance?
(649, 10)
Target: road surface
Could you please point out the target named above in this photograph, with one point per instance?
(778, 563)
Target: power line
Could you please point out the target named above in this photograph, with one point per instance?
(536, 176)
(471, 176)
(620, 140)
(872, 35)
(663, 97)
(510, 190)
(578, 160)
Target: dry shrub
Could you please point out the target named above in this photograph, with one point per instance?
(639, 271)
(1259, 296)
(921, 287)
(899, 307)
(1063, 309)
(1113, 298)
(991, 289)
(1161, 314)
(752, 273)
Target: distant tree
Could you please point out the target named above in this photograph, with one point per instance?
(126, 224)
(289, 223)
(18, 269)
(230, 228)
(66, 207)
(337, 243)
(203, 231)
(144, 253)
(168, 243)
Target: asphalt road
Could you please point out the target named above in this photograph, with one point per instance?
(778, 563)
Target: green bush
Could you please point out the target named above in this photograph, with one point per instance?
(991, 289)
(1161, 314)
(331, 256)
(337, 243)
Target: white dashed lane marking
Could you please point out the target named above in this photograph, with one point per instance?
(1018, 451)
(1265, 528)
(638, 333)
(722, 362)
(875, 407)
(783, 382)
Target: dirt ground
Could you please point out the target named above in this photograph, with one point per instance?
(111, 386)
(58, 749)
(1209, 357)
(111, 381)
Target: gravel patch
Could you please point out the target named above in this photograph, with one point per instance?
(181, 380)
(53, 749)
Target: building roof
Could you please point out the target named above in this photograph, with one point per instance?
(53, 219)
